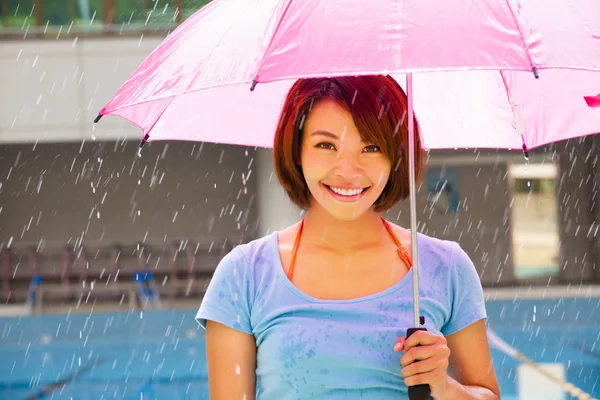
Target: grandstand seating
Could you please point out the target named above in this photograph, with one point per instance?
(106, 273)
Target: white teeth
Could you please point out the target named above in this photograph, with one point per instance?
(346, 192)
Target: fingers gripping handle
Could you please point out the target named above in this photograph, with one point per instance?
(418, 392)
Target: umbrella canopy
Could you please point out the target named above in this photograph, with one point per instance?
(196, 84)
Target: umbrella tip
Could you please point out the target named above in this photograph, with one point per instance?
(253, 85)
(536, 73)
(525, 152)
(142, 143)
(97, 118)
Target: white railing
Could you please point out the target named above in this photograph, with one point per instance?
(73, 31)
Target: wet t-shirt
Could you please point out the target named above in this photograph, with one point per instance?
(336, 349)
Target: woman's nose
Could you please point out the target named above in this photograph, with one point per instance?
(348, 166)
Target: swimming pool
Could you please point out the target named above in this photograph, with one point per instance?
(159, 354)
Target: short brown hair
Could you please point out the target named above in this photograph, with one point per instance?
(378, 106)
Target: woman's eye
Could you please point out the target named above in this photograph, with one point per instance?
(372, 149)
(325, 145)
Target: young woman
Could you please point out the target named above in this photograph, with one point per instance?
(319, 310)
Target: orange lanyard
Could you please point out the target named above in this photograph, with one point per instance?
(401, 249)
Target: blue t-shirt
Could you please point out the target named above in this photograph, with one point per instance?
(336, 349)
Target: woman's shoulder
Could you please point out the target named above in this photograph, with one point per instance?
(256, 249)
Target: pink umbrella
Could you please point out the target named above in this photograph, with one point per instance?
(474, 70)
(230, 45)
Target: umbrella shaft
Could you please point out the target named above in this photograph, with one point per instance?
(413, 199)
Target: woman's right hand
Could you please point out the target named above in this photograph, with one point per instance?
(231, 358)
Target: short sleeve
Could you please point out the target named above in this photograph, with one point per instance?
(228, 298)
(466, 293)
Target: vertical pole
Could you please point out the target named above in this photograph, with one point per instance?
(178, 11)
(413, 199)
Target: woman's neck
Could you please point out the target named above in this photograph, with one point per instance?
(323, 230)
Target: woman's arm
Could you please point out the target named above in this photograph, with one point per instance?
(231, 357)
(471, 369)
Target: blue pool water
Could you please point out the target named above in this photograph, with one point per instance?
(160, 354)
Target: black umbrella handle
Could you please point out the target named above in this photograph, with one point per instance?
(418, 392)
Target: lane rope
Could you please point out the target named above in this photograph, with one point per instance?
(499, 344)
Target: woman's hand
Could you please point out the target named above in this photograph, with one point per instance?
(425, 361)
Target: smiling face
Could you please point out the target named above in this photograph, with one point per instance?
(326, 140)
(344, 174)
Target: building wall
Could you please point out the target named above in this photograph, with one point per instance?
(101, 193)
(53, 89)
(579, 210)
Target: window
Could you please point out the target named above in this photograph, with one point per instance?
(535, 231)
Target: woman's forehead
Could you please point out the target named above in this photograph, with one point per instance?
(328, 116)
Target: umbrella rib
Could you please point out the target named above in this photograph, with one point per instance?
(147, 133)
(512, 108)
(512, 12)
(268, 47)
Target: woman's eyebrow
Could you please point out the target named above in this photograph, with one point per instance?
(325, 133)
